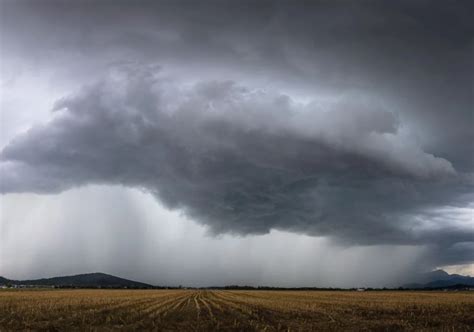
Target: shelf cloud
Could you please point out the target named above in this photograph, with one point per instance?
(242, 160)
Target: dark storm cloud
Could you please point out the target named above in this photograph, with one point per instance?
(415, 55)
(370, 166)
(243, 160)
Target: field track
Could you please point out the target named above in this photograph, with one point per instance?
(205, 310)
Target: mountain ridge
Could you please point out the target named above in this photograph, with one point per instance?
(440, 279)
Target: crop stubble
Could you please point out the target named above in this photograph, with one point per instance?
(209, 310)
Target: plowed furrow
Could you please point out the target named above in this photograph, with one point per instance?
(208, 307)
(264, 316)
(164, 306)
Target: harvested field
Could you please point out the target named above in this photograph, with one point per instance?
(205, 310)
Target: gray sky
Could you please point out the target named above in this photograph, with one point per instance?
(281, 143)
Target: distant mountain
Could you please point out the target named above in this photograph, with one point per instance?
(440, 279)
(90, 280)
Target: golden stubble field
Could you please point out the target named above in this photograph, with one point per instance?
(206, 310)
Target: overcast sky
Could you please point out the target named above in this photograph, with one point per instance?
(285, 143)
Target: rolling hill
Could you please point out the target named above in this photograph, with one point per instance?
(89, 280)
